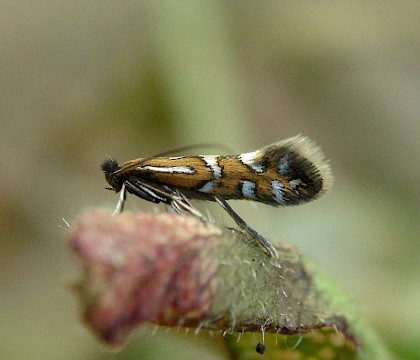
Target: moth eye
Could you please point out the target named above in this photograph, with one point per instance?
(109, 167)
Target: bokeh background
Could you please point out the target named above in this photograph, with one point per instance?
(80, 80)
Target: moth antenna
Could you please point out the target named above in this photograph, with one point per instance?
(219, 146)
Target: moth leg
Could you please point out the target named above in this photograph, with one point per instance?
(178, 202)
(175, 207)
(262, 241)
(146, 192)
(120, 204)
(168, 196)
(181, 202)
(141, 191)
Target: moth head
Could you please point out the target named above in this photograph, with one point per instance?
(110, 168)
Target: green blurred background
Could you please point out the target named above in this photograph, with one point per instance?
(80, 80)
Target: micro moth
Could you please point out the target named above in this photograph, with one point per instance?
(289, 172)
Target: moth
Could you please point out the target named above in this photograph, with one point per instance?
(289, 172)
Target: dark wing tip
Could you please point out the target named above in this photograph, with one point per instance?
(301, 159)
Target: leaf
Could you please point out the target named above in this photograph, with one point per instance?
(174, 270)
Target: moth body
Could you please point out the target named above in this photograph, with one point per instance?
(289, 172)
